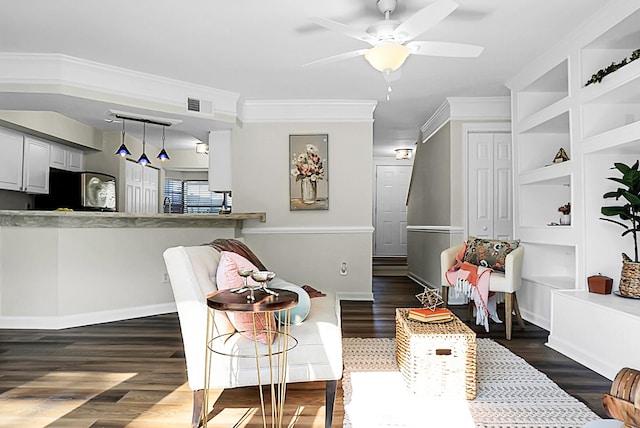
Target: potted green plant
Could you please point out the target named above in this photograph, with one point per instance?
(628, 211)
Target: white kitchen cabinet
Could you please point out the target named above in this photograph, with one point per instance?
(66, 158)
(24, 165)
(35, 177)
(11, 160)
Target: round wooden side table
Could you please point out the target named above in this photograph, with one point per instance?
(264, 303)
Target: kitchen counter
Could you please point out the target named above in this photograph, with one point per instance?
(94, 219)
(61, 269)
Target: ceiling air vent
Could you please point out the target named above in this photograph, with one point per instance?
(193, 104)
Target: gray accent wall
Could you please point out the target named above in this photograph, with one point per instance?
(429, 200)
(430, 205)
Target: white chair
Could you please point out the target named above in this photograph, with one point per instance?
(508, 282)
(317, 357)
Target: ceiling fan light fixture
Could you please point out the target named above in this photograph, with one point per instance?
(387, 57)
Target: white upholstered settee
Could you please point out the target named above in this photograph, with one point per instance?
(317, 357)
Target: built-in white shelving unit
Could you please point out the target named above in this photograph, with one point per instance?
(597, 125)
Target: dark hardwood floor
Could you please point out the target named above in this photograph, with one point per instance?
(131, 373)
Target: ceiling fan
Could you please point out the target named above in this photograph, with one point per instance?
(391, 40)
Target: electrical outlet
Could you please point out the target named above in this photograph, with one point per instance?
(343, 269)
(165, 278)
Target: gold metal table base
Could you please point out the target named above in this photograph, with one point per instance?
(276, 350)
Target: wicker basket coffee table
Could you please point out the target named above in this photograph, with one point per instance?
(436, 360)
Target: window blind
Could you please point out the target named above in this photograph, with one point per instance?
(193, 197)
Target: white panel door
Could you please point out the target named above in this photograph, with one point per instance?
(133, 186)
(480, 198)
(150, 190)
(392, 184)
(490, 189)
(502, 187)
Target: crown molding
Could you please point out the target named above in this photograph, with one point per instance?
(441, 116)
(308, 110)
(480, 108)
(63, 74)
(467, 108)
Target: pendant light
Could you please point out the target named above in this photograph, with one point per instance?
(123, 151)
(144, 160)
(163, 156)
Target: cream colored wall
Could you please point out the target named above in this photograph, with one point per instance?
(63, 274)
(53, 126)
(308, 246)
(185, 160)
(187, 175)
(28, 273)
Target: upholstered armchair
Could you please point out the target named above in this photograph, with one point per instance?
(317, 356)
(508, 282)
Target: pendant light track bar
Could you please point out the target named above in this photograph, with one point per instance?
(143, 120)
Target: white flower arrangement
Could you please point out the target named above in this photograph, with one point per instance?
(308, 164)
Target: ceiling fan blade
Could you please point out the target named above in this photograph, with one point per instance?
(338, 57)
(425, 18)
(344, 29)
(444, 49)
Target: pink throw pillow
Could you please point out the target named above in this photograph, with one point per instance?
(227, 277)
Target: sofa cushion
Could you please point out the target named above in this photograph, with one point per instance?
(488, 253)
(227, 278)
(299, 312)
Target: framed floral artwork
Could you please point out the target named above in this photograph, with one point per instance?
(308, 176)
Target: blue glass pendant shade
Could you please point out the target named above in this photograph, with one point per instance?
(123, 151)
(163, 156)
(144, 160)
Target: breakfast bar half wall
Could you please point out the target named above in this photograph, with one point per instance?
(67, 269)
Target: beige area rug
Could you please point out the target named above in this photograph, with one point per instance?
(511, 393)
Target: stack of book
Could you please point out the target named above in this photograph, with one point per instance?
(428, 315)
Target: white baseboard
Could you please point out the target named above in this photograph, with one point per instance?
(78, 320)
(598, 365)
(355, 296)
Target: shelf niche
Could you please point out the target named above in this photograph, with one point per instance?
(540, 144)
(615, 101)
(539, 201)
(548, 89)
(611, 46)
(550, 265)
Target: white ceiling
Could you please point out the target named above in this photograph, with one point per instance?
(256, 48)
